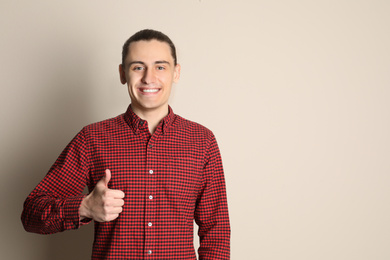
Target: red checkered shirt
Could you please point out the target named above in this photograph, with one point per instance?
(169, 179)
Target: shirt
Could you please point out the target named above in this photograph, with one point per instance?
(169, 179)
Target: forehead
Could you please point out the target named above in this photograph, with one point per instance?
(149, 51)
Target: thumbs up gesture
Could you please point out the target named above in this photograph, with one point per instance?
(102, 204)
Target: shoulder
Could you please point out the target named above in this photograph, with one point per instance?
(192, 129)
(111, 126)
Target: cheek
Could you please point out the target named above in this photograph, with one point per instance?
(132, 82)
(131, 88)
(167, 79)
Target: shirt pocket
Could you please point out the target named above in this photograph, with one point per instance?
(183, 179)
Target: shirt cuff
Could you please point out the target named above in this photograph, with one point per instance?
(71, 213)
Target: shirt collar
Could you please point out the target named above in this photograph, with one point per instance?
(135, 122)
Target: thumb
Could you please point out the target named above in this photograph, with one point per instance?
(106, 178)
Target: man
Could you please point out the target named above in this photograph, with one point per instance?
(150, 172)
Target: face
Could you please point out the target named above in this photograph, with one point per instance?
(149, 73)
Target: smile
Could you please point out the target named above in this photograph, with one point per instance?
(150, 90)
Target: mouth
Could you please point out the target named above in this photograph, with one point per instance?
(149, 91)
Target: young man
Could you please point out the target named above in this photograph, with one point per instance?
(150, 172)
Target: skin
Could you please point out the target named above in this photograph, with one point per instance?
(102, 204)
(149, 66)
(149, 73)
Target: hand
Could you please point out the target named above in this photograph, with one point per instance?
(102, 204)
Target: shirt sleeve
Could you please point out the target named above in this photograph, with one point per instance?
(211, 213)
(54, 204)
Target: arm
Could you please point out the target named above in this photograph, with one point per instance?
(211, 213)
(53, 206)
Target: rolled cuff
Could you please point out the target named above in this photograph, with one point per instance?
(71, 213)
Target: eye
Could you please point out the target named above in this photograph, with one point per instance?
(160, 68)
(136, 68)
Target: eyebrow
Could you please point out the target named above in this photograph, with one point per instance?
(143, 63)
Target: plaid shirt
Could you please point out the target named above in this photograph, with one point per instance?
(169, 179)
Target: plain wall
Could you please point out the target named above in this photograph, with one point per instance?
(297, 93)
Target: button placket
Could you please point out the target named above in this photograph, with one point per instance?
(151, 173)
(150, 196)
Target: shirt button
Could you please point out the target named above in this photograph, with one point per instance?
(150, 224)
(150, 145)
(149, 252)
(151, 171)
(150, 197)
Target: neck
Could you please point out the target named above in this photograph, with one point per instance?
(152, 116)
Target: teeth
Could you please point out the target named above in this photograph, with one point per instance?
(150, 90)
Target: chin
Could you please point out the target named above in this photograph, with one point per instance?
(151, 106)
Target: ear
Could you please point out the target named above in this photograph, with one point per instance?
(122, 74)
(176, 73)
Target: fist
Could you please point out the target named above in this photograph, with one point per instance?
(102, 204)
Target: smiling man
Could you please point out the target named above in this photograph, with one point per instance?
(150, 172)
(149, 69)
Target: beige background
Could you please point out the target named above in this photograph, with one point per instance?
(297, 93)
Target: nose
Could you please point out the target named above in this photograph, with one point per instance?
(148, 77)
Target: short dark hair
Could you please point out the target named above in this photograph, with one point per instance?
(148, 35)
